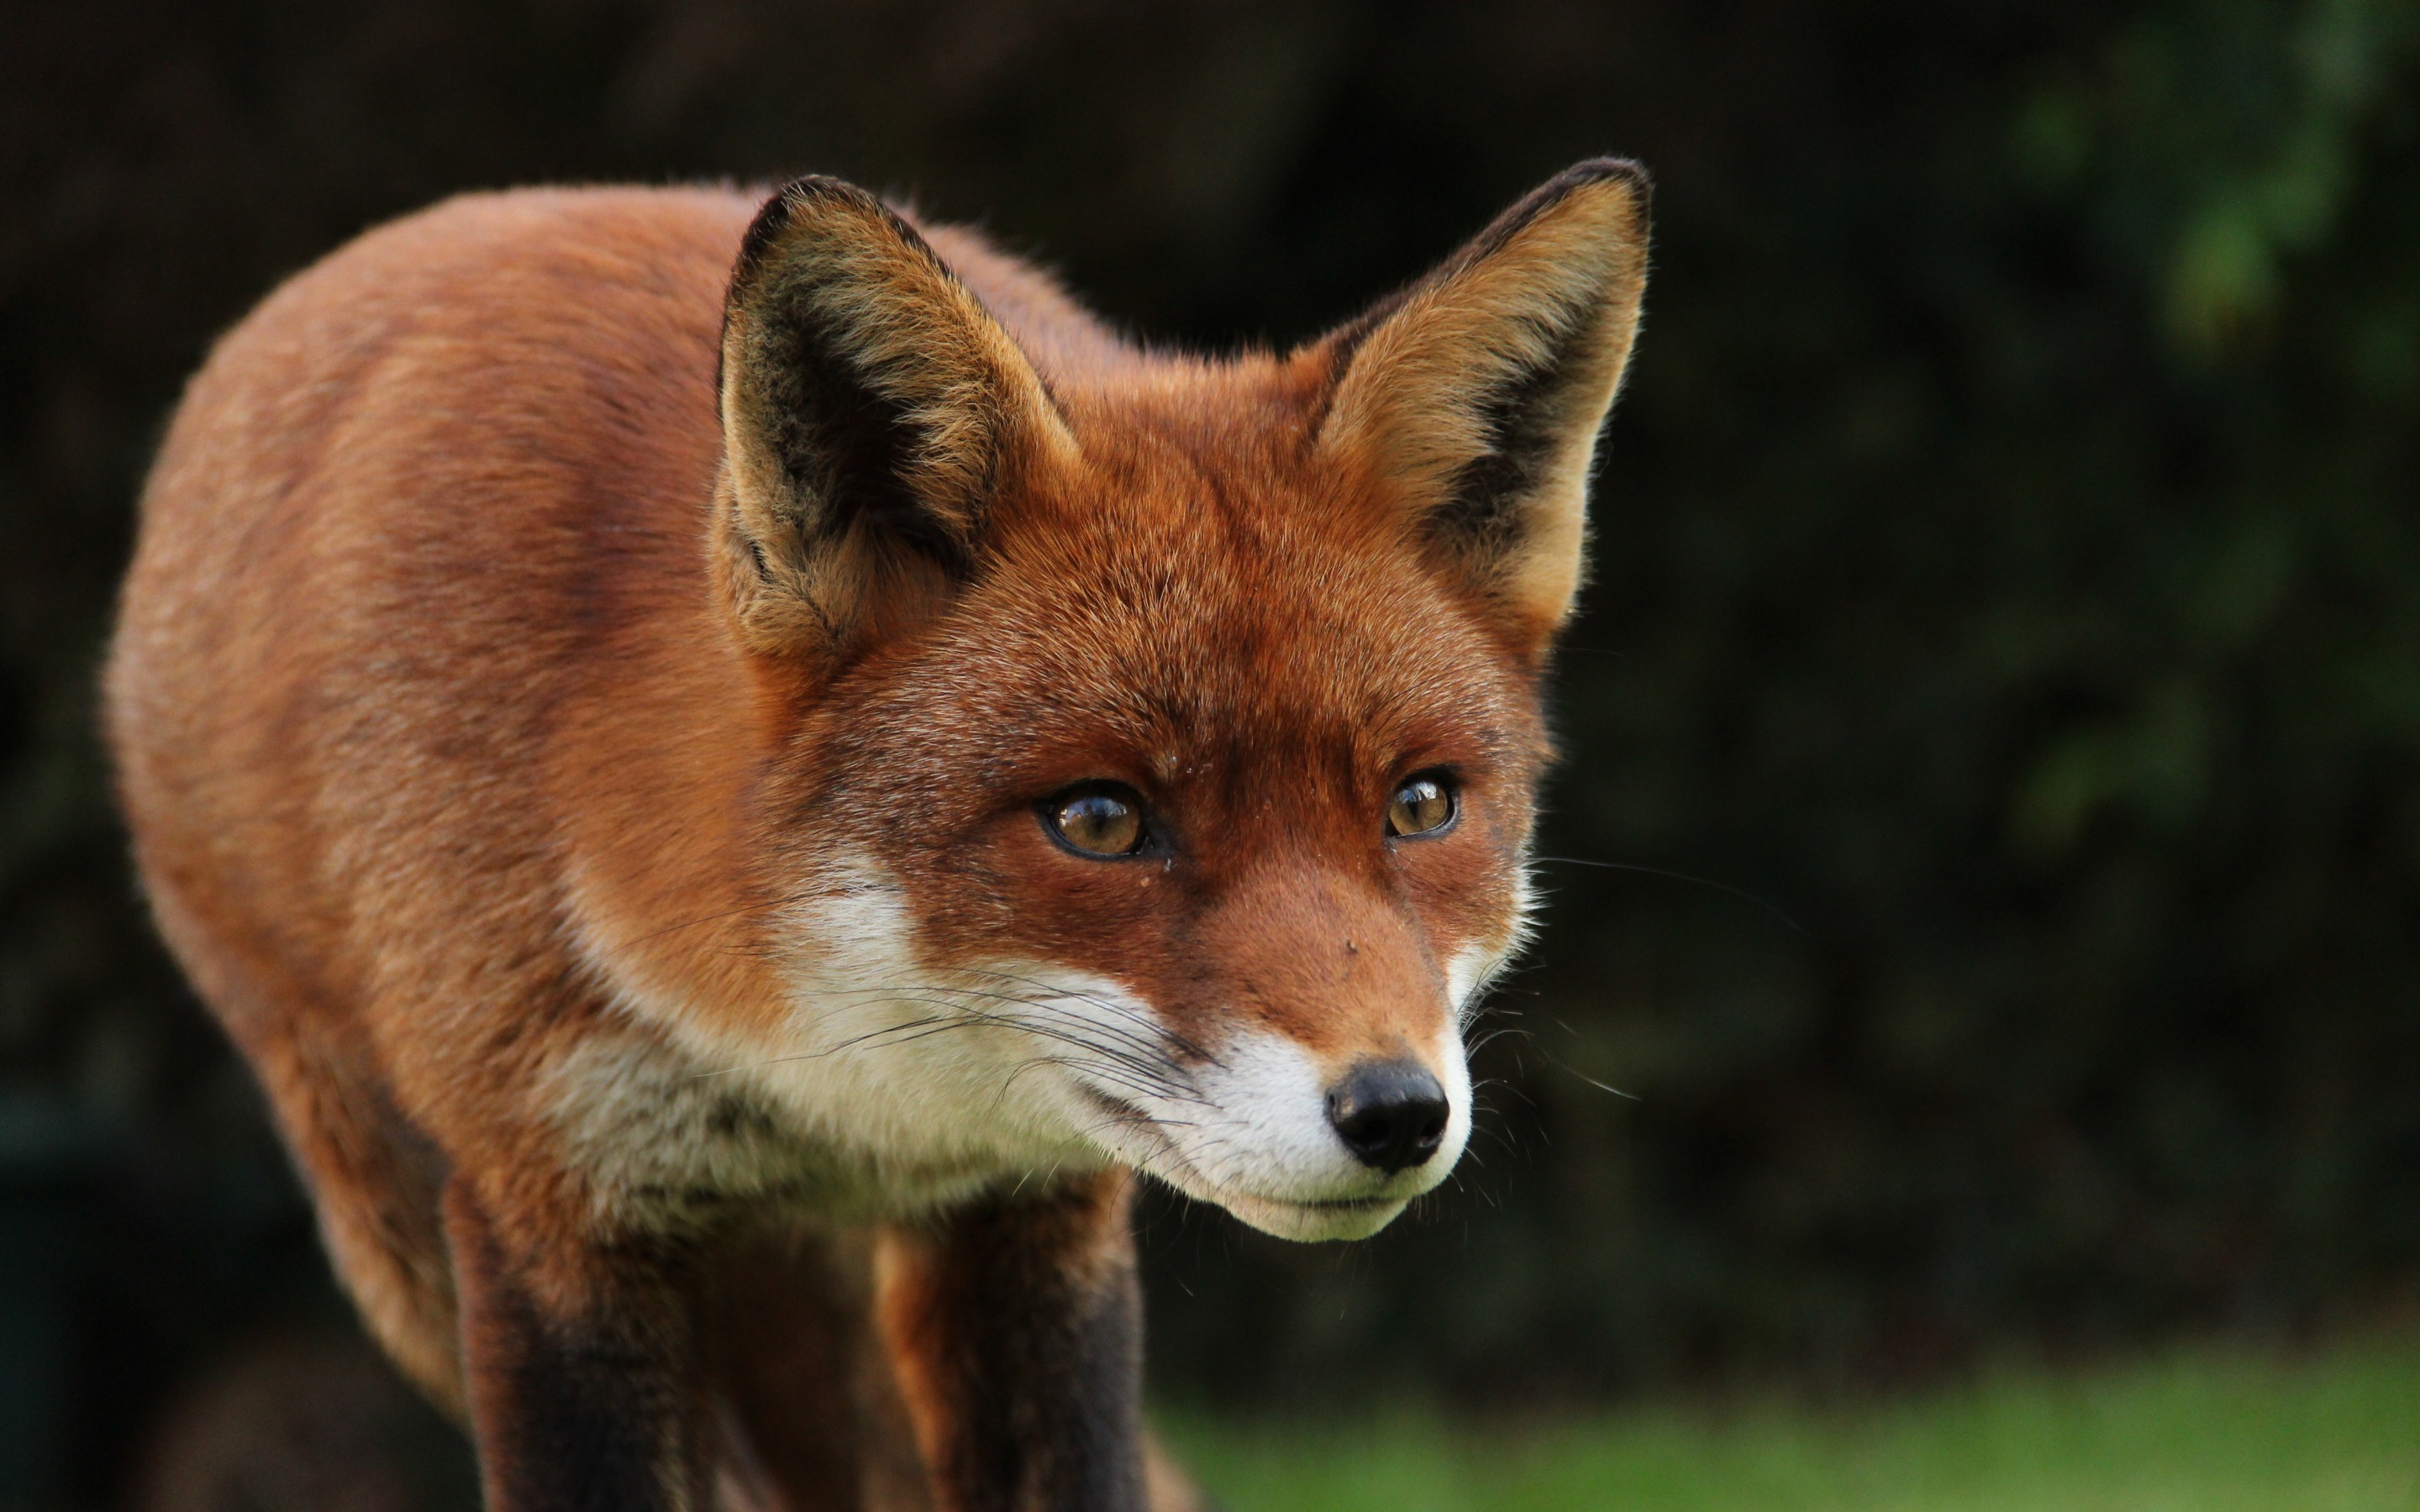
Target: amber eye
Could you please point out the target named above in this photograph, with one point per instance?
(1097, 821)
(1422, 806)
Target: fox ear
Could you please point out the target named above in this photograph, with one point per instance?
(1475, 396)
(871, 410)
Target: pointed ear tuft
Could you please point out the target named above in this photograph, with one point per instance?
(1475, 396)
(870, 409)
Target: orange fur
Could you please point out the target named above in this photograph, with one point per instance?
(581, 712)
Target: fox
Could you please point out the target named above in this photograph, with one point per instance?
(740, 766)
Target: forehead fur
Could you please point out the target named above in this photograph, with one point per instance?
(1203, 588)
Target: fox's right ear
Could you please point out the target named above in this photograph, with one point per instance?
(871, 410)
(1473, 398)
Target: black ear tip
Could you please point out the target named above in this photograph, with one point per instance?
(1628, 172)
(823, 189)
(781, 208)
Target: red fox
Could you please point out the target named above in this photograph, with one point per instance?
(737, 766)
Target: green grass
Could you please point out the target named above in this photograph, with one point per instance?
(2204, 1431)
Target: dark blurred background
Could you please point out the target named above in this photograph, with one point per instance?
(2005, 607)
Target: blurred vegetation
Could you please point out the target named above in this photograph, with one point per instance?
(2197, 1430)
(2006, 568)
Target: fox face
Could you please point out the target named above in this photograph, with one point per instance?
(1231, 845)
(1152, 745)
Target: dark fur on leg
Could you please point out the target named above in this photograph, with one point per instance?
(1016, 1327)
(809, 1382)
(581, 1402)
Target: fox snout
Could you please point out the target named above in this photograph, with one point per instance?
(1317, 1077)
(1267, 1133)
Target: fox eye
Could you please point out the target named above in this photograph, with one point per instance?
(1422, 806)
(1105, 820)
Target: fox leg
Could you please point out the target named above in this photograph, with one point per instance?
(1014, 1324)
(807, 1377)
(579, 1367)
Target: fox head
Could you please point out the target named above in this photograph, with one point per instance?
(1152, 742)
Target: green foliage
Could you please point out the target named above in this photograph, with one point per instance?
(2198, 1432)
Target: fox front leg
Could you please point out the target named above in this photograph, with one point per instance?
(580, 1367)
(1016, 1327)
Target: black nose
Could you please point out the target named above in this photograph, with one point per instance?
(1389, 1113)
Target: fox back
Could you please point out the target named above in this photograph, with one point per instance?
(660, 718)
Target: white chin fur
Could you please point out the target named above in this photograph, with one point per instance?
(1310, 1225)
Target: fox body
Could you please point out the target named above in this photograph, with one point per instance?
(736, 765)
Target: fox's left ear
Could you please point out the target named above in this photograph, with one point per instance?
(1475, 396)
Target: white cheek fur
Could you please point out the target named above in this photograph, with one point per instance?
(1469, 972)
(888, 1088)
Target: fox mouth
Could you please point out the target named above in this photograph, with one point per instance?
(1288, 1217)
(1312, 1221)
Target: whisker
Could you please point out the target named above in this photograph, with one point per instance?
(1123, 1057)
(1764, 903)
(1158, 1031)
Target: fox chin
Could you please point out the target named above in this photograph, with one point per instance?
(737, 763)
